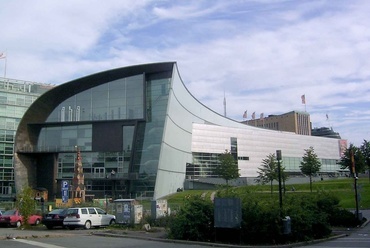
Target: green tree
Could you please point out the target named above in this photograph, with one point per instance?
(346, 160)
(26, 204)
(268, 171)
(365, 149)
(228, 167)
(310, 164)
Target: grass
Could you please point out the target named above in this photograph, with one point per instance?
(342, 188)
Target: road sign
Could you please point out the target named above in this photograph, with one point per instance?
(65, 189)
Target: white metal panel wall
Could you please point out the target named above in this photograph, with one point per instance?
(257, 144)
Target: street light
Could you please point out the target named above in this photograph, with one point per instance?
(355, 178)
(278, 157)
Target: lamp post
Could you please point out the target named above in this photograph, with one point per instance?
(355, 178)
(278, 157)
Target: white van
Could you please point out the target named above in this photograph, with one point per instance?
(87, 217)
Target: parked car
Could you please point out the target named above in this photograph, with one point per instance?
(14, 218)
(87, 217)
(54, 218)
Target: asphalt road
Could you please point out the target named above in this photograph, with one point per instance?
(62, 238)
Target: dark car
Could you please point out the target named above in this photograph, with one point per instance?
(54, 218)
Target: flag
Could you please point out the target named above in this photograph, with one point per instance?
(2, 55)
(261, 116)
(245, 114)
(303, 97)
(254, 115)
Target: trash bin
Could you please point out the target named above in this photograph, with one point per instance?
(287, 229)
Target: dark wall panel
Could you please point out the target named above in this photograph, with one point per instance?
(107, 137)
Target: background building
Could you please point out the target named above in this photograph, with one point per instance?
(294, 121)
(138, 129)
(325, 132)
(15, 98)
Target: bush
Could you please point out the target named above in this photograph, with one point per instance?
(308, 220)
(344, 218)
(260, 222)
(312, 216)
(194, 221)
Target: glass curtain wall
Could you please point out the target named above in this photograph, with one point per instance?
(117, 100)
(149, 136)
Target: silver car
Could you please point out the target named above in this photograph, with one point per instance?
(87, 217)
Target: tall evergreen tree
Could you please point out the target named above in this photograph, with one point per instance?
(310, 164)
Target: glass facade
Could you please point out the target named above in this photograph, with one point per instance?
(118, 128)
(149, 136)
(65, 138)
(15, 98)
(117, 100)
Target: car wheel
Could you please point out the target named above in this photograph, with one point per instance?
(37, 222)
(18, 224)
(87, 225)
(112, 222)
(49, 227)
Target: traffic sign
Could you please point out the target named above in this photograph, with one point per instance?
(65, 189)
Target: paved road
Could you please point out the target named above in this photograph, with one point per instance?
(61, 238)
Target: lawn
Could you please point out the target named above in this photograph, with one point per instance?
(342, 188)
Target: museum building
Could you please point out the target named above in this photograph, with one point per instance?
(139, 132)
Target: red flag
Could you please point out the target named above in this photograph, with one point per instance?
(303, 97)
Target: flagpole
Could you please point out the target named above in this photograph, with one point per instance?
(5, 67)
(3, 56)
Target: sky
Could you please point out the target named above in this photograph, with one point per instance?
(262, 55)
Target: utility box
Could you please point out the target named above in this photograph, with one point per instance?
(128, 211)
(287, 225)
(159, 209)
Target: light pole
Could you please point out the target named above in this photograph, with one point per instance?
(278, 157)
(355, 178)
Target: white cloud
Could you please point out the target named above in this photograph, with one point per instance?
(263, 54)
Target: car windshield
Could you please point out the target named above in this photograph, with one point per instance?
(72, 211)
(9, 212)
(57, 211)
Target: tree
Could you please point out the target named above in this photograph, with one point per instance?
(268, 171)
(310, 164)
(365, 149)
(346, 160)
(25, 203)
(228, 167)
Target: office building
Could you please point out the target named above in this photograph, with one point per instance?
(15, 98)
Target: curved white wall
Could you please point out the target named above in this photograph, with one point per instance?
(192, 127)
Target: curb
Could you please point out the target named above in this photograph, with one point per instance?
(215, 244)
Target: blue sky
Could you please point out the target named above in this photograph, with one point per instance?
(263, 55)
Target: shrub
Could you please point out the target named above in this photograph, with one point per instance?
(308, 220)
(260, 222)
(194, 220)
